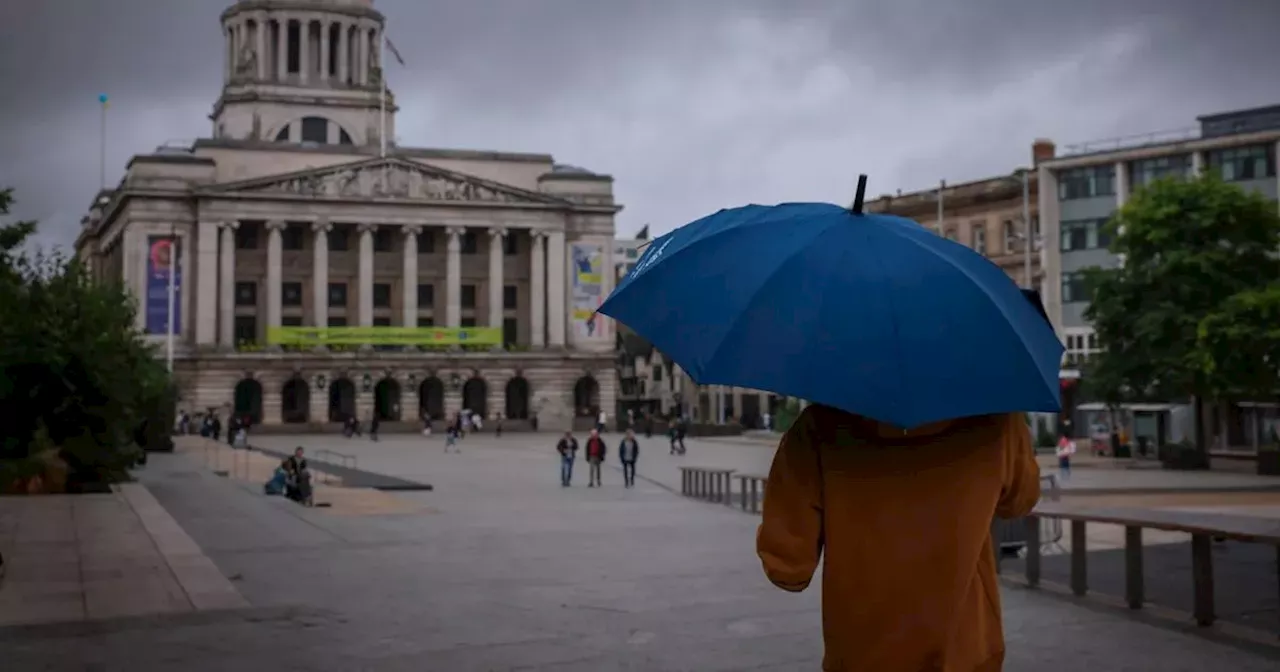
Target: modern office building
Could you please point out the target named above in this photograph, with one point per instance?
(1083, 186)
(301, 212)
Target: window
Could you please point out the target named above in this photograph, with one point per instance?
(1244, 163)
(468, 296)
(469, 245)
(1087, 182)
(467, 322)
(291, 321)
(426, 322)
(315, 129)
(510, 297)
(337, 295)
(657, 374)
(337, 321)
(426, 296)
(343, 138)
(339, 239)
(1010, 236)
(381, 295)
(1085, 234)
(632, 253)
(978, 236)
(381, 321)
(293, 237)
(427, 242)
(246, 328)
(951, 233)
(1146, 171)
(1081, 344)
(283, 135)
(1074, 288)
(510, 245)
(247, 237)
(510, 331)
(291, 293)
(384, 239)
(247, 294)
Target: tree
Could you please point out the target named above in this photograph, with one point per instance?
(1239, 345)
(76, 377)
(1188, 246)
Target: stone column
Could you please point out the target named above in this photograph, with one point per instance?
(1122, 183)
(227, 292)
(324, 51)
(361, 60)
(320, 273)
(538, 290)
(275, 273)
(366, 274)
(282, 49)
(206, 283)
(557, 272)
(409, 290)
(497, 235)
(344, 53)
(261, 20)
(304, 49)
(453, 277)
(229, 62)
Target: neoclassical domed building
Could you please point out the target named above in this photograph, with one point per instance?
(323, 272)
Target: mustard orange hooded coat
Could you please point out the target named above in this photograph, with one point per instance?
(903, 522)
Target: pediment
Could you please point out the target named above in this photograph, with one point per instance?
(391, 178)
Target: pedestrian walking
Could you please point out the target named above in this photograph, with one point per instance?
(1066, 448)
(568, 449)
(453, 433)
(374, 421)
(595, 452)
(601, 419)
(628, 451)
(497, 425)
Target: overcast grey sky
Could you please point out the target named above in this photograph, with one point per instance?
(692, 105)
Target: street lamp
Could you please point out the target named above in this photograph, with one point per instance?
(412, 380)
(321, 382)
(367, 382)
(455, 381)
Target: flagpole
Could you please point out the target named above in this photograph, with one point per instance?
(102, 142)
(173, 264)
(382, 98)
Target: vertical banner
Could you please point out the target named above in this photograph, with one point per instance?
(588, 291)
(160, 249)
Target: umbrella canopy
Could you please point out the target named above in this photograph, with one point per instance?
(872, 314)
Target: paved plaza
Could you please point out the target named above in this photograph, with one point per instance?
(499, 568)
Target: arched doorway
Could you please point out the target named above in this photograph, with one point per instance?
(386, 399)
(295, 401)
(475, 397)
(431, 399)
(517, 399)
(586, 396)
(342, 400)
(248, 400)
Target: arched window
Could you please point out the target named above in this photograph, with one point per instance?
(283, 135)
(343, 138)
(315, 129)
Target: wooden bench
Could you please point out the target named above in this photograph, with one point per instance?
(752, 488)
(1203, 528)
(710, 483)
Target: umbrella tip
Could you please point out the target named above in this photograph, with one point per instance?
(860, 196)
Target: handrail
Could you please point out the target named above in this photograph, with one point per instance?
(1203, 528)
(344, 460)
(710, 483)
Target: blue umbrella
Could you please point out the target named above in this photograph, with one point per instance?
(872, 314)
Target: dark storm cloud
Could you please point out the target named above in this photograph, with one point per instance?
(692, 105)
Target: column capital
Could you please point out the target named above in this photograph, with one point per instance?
(498, 231)
(456, 231)
(538, 235)
(321, 226)
(276, 225)
(411, 229)
(367, 227)
(232, 225)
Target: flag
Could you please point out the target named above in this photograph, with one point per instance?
(394, 52)
(644, 233)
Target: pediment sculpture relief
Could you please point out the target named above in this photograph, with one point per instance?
(391, 181)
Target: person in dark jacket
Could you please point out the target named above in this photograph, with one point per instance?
(568, 449)
(628, 451)
(595, 452)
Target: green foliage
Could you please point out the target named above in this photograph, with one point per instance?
(1189, 247)
(1239, 345)
(76, 373)
(787, 413)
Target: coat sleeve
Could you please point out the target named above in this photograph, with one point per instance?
(790, 538)
(1021, 489)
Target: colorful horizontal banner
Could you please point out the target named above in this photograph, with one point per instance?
(384, 336)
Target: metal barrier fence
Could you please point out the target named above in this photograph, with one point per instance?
(707, 483)
(337, 459)
(1011, 537)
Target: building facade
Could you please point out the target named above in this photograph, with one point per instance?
(299, 211)
(1081, 189)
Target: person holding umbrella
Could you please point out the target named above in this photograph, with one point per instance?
(919, 358)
